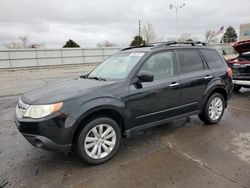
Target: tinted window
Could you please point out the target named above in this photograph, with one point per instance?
(189, 61)
(213, 58)
(160, 64)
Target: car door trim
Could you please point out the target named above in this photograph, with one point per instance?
(135, 130)
(166, 110)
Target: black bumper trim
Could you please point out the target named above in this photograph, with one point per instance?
(47, 144)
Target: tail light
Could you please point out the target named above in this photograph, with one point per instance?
(230, 72)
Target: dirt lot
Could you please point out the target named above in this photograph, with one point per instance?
(184, 153)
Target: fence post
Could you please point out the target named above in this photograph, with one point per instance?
(61, 51)
(83, 56)
(103, 56)
(10, 64)
(36, 55)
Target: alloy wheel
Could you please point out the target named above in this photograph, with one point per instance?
(100, 141)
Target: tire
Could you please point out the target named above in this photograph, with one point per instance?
(97, 149)
(237, 88)
(213, 110)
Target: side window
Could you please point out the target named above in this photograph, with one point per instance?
(213, 59)
(189, 61)
(160, 64)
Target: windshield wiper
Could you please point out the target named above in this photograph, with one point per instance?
(97, 78)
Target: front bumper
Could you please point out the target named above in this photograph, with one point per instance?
(47, 144)
(50, 134)
(242, 82)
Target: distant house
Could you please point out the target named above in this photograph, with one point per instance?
(245, 32)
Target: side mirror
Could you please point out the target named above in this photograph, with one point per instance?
(145, 76)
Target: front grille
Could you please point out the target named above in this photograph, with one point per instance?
(243, 70)
(21, 108)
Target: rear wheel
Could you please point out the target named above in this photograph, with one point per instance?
(237, 88)
(99, 140)
(213, 109)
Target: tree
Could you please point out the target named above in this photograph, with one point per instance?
(230, 35)
(148, 33)
(71, 44)
(185, 37)
(211, 37)
(106, 44)
(138, 41)
(22, 43)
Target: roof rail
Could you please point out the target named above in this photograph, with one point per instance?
(142, 46)
(168, 43)
(163, 44)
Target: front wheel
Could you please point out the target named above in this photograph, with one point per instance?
(213, 109)
(99, 140)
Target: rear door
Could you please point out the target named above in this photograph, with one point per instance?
(194, 78)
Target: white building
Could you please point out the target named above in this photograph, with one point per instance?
(244, 32)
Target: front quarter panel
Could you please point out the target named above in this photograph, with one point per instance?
(83, 110)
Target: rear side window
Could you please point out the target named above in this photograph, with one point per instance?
(189, 61)
(213, 58)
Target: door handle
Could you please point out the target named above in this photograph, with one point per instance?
(174, 84)
(208, 77)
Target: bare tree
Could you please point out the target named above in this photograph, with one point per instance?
(148, 33)
(22, 43)
(210, 37)
(106, 44)
(184, 37)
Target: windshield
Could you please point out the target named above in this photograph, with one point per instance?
(117, 66)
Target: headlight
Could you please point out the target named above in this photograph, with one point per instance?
(40, 111)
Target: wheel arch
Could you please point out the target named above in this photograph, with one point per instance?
(219, 90)
(105, 111)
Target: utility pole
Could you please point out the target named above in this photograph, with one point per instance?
(176, 7)
(139, 27)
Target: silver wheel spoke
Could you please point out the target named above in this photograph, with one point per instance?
(106, 149)
(108, 143)
(93, 152)
(107, 131)
(109, 135)
(91, 139)
(100, 129)
(99, 151)
(87, 146)
(94, 130)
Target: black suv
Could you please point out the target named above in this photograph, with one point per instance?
(134, 89)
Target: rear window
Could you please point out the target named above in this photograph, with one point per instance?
(245, 56)
(213, 59)
(189, 61)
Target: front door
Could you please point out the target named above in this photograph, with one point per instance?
(157, 100)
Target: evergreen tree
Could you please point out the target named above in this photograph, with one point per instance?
(138, 41)
(71, 44)
(230, 35)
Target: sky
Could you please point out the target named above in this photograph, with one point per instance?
(53, 22)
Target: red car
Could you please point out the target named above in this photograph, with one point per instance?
(241, 65)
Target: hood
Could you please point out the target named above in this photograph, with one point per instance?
(62, 91)
(242, 46)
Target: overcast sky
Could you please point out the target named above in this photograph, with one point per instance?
(52, 22)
